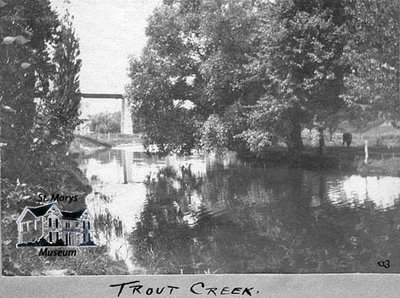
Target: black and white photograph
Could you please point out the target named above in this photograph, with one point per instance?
(199, 137)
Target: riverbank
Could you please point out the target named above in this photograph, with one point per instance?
(27, 261)
(89, 144)
(382, 160)
(112, 139)
(68, 180)
(383, 152)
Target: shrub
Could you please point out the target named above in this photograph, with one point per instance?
(214, 134)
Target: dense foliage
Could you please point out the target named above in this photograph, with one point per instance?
(373, 50)
(298, 63)
(27, 26)
(39, 82)
(255, 73)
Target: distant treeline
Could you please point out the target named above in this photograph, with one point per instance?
(106, 122)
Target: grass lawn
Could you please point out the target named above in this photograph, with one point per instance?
(383, 150)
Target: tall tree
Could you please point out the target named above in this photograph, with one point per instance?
(299, 64)
(26, 28)
(39, 81)
(57, 110)
(156, 103)
(199, 48)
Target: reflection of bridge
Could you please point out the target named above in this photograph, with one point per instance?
(127, 165)
(126, 117)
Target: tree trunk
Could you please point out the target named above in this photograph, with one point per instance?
(331, 131)
(321, 141)
(295, 142)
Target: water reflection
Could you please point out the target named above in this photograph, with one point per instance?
(213, 215)
(383, 191)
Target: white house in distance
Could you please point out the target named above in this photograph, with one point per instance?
(49, 222)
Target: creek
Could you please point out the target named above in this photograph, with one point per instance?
(220, 215)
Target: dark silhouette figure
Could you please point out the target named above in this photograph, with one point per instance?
(186, 171)
(347, 137)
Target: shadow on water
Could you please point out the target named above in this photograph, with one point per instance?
(223, 216)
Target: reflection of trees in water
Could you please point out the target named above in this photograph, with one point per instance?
(259, 220)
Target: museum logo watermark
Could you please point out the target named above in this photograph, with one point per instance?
(48, 226)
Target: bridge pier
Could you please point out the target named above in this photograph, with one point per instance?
(126, 118)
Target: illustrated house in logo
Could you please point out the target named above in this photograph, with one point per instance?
(48, 222)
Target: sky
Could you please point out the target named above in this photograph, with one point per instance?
(109, 31)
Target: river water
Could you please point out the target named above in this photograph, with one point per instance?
(219, 215)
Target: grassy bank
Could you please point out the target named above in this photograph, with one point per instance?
(383, 152)
(91, 143)
(382, 160)
(63, 178)
(112, 139)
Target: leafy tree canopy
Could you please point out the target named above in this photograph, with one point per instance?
(372, 87)
(39, 81)
(274, 67)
